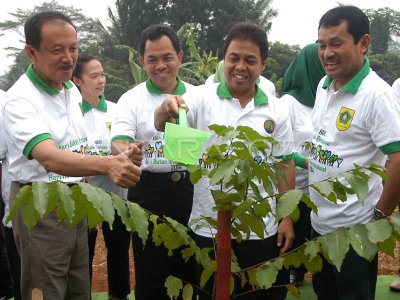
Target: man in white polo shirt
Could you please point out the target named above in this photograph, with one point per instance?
(164, 188)
(6, 283)
(356, 121)
(238, 100)
(46, 137)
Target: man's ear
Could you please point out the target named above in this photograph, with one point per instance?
(76, 80)
(364, 42)
(31, 52)
(180, 56)
(142, 60)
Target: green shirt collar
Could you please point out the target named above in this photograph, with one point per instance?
(102, 105)
(353, 85)
(260, 97)
(40, 84)
(179, 90)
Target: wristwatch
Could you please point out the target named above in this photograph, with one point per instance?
(378, 214)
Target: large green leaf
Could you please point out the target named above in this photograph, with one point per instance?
(324, 188)
(359, 185)
(257, 225)
(395, 219)
(174, 286)
(266, 274)
(122, 211)
(306, 199)
(388, 246)
(311, 249)
(207, 273)
(287, 203)
(243, 207)
(224, 172)
(360, 242)
(379, 231)
(195, 173)
(40, 197)
(335, 246)
(107, 207)
(140, 220)
(292, 260)
(66, 208)
(187, 292)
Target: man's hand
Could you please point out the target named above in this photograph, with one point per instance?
(122, 170)
(285, 234)
(136, 153)
(168, 111)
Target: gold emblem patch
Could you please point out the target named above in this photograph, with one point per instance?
(344, 118)
(269, 126)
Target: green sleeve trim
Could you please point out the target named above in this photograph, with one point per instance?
(122, 138)
(285, 157)
(33, 142)
(390, 148)
(300, 160)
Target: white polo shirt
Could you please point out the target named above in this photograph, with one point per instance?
(134, 121)
(33, 112)
(300, 119)
(214, 104)
(396, 87)
(5, 179)
(98, 121)
(357, 124)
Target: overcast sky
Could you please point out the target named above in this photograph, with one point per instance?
(297, 20)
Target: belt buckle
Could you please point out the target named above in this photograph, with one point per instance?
(175, 176)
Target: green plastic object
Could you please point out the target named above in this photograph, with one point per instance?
(182, 143)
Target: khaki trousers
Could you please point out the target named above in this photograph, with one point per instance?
(54, 256)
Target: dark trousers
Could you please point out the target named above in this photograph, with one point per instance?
(162, 196)
(15, 262)
(6, 284)
(355, 281)
(248, 253)
(117, 242)
(302, 233)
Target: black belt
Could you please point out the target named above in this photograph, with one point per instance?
(67, 183)
(173, 176)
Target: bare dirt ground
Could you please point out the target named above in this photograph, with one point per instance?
(387, 265)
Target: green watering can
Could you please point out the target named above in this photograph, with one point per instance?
(182, 143)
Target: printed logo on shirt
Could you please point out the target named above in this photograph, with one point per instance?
(269, 126)
(108, 125)
(344, 118)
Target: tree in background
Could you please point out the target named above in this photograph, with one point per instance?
(88, 32)
(385, 29)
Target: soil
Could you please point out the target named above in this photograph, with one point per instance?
(387, 265)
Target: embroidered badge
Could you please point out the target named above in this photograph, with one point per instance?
(108, 124)
(344, 118)
(269, 126)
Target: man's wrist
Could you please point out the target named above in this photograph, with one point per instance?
(378, 214)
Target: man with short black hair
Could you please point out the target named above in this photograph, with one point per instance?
(45, 134)
(165, 187)
(356, 121)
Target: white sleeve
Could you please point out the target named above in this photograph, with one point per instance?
(24, 124)
(124, 125)
(383, 120)
(283, 133)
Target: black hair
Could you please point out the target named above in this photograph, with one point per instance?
(248, 31)
(33, 26)
(155, 32)
(357, 21)
(83, 59)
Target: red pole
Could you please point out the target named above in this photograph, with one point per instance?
(224, 255)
